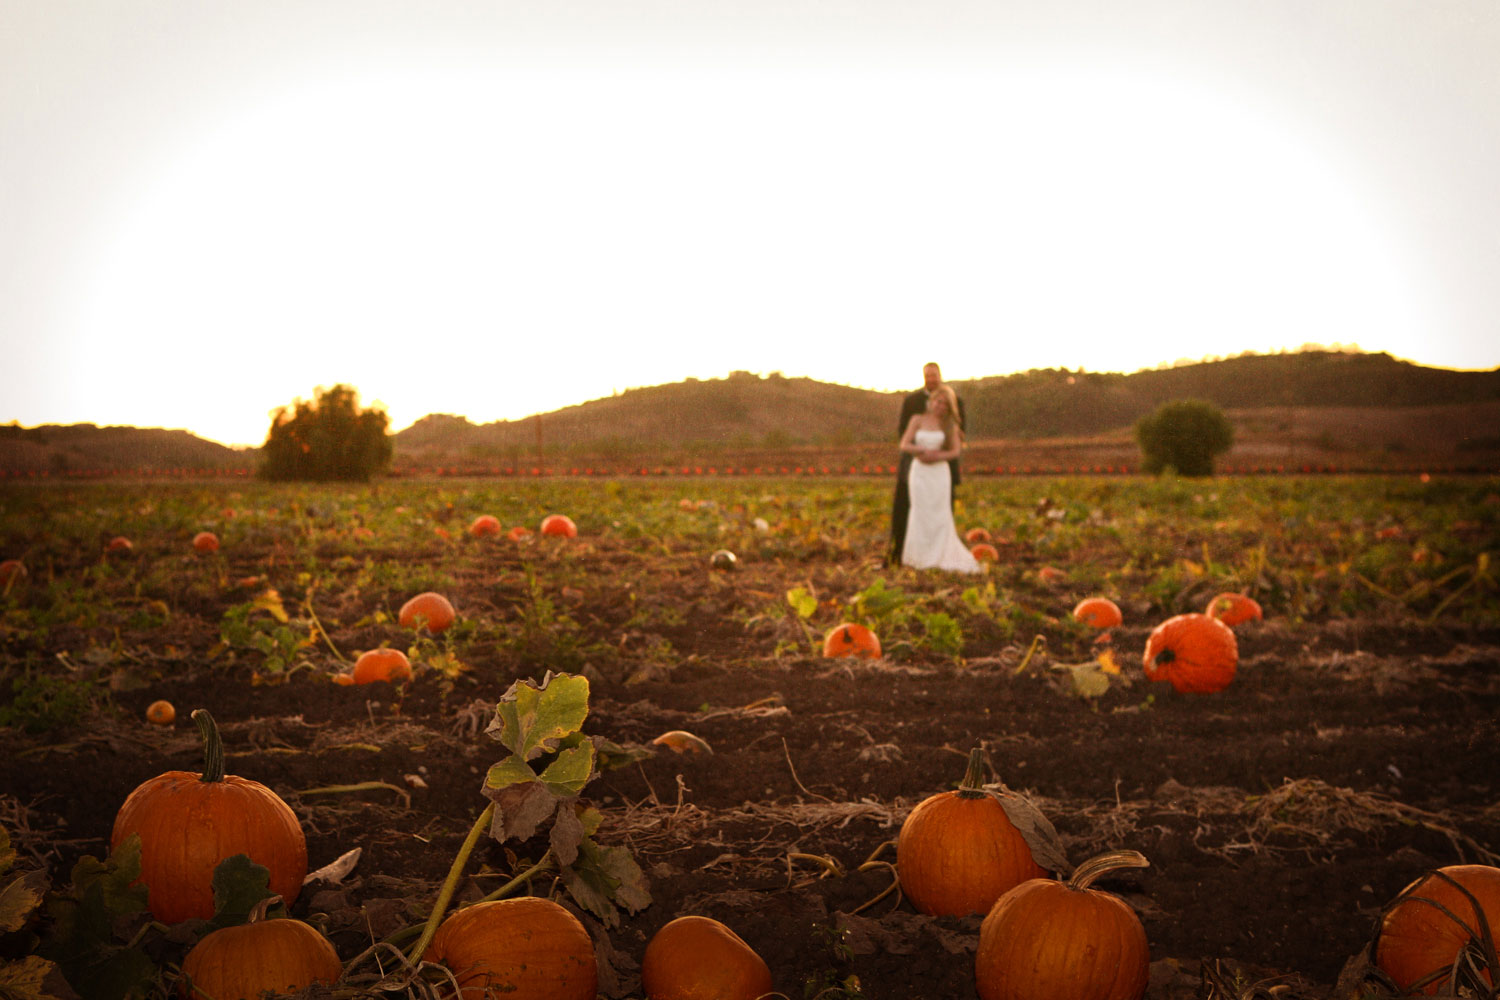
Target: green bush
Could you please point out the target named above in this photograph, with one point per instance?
(1184, 435)
(329, 439)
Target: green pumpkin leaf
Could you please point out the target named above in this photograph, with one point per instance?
(602, 879)
(802, 602)
(531, 720)
(24, 979)
(18, 900)
(566, 776)
(239, 884)
(84, 922)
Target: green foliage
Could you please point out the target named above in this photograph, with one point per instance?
(91, 938)
(328, 439)
(40, 703)
(536, 789)
(1184, 435)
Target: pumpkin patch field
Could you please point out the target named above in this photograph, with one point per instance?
(508, 734)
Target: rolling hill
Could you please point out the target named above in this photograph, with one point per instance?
(1318, 408)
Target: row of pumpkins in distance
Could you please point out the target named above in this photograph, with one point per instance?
(957, 854)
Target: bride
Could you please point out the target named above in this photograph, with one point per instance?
(932, 438)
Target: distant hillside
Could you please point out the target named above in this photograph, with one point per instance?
(83, 449)
(1289, 410)
(753, 418)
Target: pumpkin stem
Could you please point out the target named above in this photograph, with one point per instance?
(259, 910)
(1085, 874)
(972, 787)
(450, 884)
(213, 746)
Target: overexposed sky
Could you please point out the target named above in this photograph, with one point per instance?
(501, 208)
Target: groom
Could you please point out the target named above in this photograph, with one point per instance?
(913, 404)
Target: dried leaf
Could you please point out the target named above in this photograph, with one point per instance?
(682, 741)
(520, 809)
(24, 979)
(336, 870)
(1040, 835)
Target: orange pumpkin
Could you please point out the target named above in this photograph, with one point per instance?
(975, 535)
(119, 543)
(1062, 939)
(984, 552)
(698, 958)
(519, 532)
(958, 851)
(205, 541)
(247, 960)
(1051, 574)
(161, 713)
(1100, 612)
(1417, 941)
(1196, 654)
(381, 665)
(188, 823)
(528, 946)
(485, 526)
(1233, 609)
(850, 639)
(429, 609)
(559, 526)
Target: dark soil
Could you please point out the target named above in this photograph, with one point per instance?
(1279, 816)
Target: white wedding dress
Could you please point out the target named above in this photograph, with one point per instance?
(932, 541)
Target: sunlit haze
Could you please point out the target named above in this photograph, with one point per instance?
(207, 211)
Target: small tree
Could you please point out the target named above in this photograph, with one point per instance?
(330, 438)
(1185, 435)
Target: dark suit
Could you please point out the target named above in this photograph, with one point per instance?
(915, 403)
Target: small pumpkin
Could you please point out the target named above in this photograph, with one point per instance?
(161, 713)
(559, 526)
(699, 958)
(247, 960)
(723, 559)
(519, 532)
(1051, 574)
(1417, 941)
(430, 609)
(1045, 938)
(958, 851)
(984, 552)
(850, 639)
(189, 822)
(527, 946)
(976, 535)
(1100, 612)
(381, 664)
(119, 544)
(1234, 609)
(205, 542)
(1194, 653)
(485, 526)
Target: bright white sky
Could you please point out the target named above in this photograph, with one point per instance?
(496, 209)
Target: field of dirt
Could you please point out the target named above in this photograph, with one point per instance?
(1348, 757)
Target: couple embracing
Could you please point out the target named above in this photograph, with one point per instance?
(931, 426)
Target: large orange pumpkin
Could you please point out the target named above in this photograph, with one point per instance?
(1194, 653)
(698, 958)
(245, 961)
(1233, 609)
(958, 851)
(527, 946)
(188, 823)
(429, 609)
(850, 639)
(1063, 940)
(381, 664)
(1100, 612)
(1417, 941)
(559, 526)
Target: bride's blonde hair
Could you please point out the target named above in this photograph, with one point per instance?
(953, 434)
